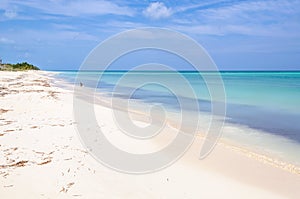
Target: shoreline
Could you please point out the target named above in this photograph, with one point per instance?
(266, 159)
(52, 153)
(269, 159)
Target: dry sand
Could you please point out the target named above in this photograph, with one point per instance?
(41, 155)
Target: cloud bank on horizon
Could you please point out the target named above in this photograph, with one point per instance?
(239, 34)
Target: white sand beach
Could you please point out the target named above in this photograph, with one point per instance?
(41, 155)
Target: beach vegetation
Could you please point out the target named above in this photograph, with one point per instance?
(18, 67)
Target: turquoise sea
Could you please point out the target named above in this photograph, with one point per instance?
(263, 108)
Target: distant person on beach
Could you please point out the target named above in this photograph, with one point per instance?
(81, 84)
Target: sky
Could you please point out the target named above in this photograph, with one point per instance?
(238, 34)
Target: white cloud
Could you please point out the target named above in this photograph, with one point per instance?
(58, 35)
(253, 18)
(4, 40)
(10, 14)
(76, 8)
(9, 10)
(252, 11)
(157, 10)
(187, 7)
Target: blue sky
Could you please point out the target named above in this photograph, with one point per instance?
(238, 34)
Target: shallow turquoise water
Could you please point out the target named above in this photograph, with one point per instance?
(263, 108)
